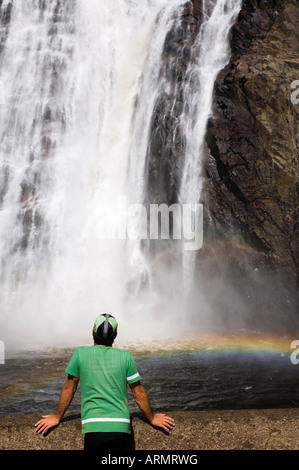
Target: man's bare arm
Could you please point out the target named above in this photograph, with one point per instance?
(67, 393)
(156, 419)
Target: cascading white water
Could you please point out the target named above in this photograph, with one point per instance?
(211, 54)
(81, 80)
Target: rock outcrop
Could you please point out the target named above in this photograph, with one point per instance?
(252, 168)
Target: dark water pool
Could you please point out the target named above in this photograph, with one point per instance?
(31, 384)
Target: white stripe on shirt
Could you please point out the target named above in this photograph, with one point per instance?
(96, 420)
(133, 376)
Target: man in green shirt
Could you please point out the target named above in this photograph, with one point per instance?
(104, 373)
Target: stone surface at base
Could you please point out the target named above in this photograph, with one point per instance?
(199, 430)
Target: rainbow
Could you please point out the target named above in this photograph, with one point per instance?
(220, 343)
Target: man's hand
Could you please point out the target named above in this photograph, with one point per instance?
(45, 424)
(162, 421)
(50, 421)
(156, 419)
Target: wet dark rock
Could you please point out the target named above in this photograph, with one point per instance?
(253, 167)
(5, 16)
(166, 151)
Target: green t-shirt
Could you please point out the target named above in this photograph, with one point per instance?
(104, 373)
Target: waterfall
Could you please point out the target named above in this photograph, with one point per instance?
(80, 83)
(211, 53)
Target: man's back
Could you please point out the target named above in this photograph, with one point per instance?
(104, 373)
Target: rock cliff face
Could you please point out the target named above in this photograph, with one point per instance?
(251, 247)
(166, 151)
(252, 167)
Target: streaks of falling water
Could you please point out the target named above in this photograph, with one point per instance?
(211, 53)
(72, 72)
(37, 52)
(81, 81)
